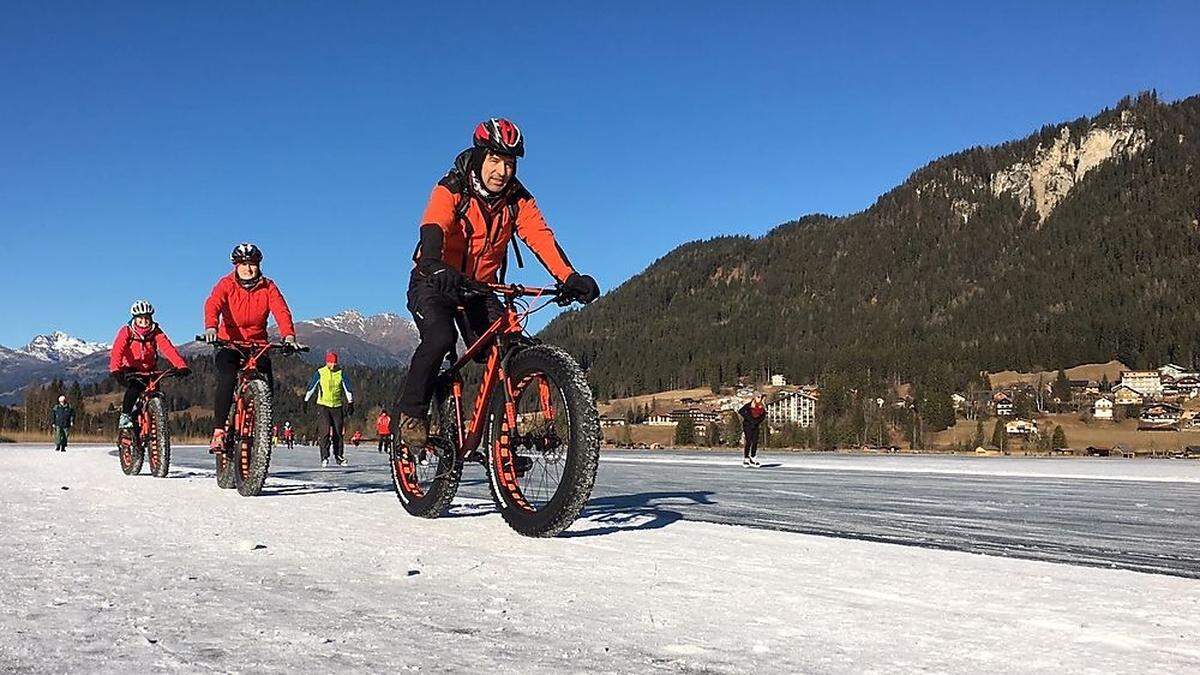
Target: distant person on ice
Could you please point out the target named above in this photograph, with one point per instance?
(330, 386)
(383, 428)
(753, 414)
(289, 435)
(62, 418)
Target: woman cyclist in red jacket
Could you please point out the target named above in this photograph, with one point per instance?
(237, 311)
(135, 350)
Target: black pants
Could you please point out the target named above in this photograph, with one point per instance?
(133, 389)
(290, 442)
(332, 424)
(385, 442)
(435, 316)
(227, 362)
(751, 441)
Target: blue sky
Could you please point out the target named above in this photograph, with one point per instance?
(140, 141)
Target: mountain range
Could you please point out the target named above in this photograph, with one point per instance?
(1076, 244)
(377, 341)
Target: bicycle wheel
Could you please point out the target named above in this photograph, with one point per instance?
(130, 452)
(157, 438)
(252, 452)
(426, 480)
(542, 458)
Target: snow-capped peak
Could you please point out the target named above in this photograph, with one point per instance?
(58, 346)
(348, 321)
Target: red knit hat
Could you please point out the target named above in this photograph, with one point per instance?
(331, 356)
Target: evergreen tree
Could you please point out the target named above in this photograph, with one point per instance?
(685, 433)
(978, 440)
(1062, 387)
(1060, 438)
(999, 436)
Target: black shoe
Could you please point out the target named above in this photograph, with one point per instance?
(522, 464)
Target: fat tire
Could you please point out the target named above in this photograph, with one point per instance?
(583, 448)
(250, 483)
(158, 441)
(131, 461)
(224, 470)
(435, 501)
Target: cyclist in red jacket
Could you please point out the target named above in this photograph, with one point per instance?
(237, 311)
(135, 350)
(472, 215)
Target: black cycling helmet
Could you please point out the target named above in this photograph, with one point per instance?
(500, 136)
(246, 253)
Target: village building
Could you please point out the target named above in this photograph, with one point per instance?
(1148, 383)
(959, 402)
(1021, 427)
(1185, 386)
(797, 407)
(1102, 409)
(660, 421)
(778, 381)
(606, 421)
(1173, 371)
(1126, 395)
(1160, 416)
(696, 416)
(1002, 403)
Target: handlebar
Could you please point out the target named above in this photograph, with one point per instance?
(244, 345)
(560, 295)
(152, 374)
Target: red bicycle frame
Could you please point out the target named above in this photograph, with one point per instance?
(510, 322)
(253, 351)
(144, 424)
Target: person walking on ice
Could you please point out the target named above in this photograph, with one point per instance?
(383, 428)
(753, 414)
(62, 418)
(330, 386)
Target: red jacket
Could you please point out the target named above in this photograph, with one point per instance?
(481, 257)
(242, 314)
(139, 352)
(383, 425)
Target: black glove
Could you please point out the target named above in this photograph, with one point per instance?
(183, 372)
(121, 375)
(582, 287)
(445, 279)
(350, 409)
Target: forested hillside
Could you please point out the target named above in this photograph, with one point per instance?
(1079, 243)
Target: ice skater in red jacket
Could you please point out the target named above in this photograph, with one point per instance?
(237, 311)
(136, 350)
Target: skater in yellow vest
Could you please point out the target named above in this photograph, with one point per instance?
(331, 387)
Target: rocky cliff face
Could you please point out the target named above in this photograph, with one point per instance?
(1043, 181)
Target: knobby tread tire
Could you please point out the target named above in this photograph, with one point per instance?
(583, 455)
(436, 501)
(131, 463)
(251, 485)
(159, 440)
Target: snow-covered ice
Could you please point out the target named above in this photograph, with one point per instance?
(139, 574)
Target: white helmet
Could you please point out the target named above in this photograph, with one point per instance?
(141, 307)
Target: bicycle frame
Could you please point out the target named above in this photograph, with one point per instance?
(252, 351)
(511, 322)
(153, 378)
